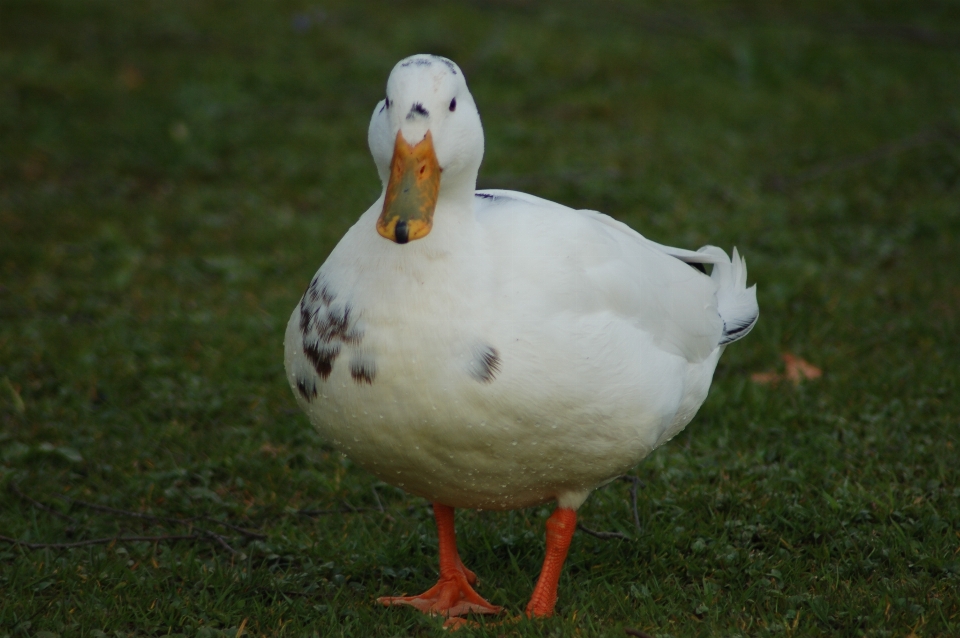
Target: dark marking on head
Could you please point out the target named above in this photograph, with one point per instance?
(363, 371)
(417, 110)
(401, 232)
(486, 364)
(418, 62)
(450, 65)
(307, 388)
(453, 104)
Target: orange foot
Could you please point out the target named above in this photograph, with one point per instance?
(453, 595)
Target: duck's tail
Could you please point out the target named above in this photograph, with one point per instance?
(736, 303)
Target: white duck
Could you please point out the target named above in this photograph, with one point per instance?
(494, 350)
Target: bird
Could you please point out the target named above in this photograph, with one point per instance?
(492, 350)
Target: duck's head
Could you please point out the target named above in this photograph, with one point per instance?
(425, 131)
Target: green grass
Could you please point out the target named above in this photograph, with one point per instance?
(173, 173)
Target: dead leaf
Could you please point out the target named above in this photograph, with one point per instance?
(796, 370)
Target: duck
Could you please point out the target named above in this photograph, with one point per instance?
(492, 350)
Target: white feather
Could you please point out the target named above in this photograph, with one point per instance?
(522, 351)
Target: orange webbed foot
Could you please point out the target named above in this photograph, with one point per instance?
(451, 596)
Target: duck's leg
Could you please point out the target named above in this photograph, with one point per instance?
(560, 528)
(453, 594)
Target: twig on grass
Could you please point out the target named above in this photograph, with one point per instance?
(43, 506)
(636, 633)
(165, 519)
(634, 484)
(380, 505)
(240, 530)
(220, 541)
(200, 535)
(102, 541)
(342, 510)
(377, 497)
(602, 535)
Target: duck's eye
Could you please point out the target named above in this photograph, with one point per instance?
(388, 102)
(453, 104)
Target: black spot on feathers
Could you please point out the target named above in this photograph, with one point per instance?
(322, 358)
(363, 371)
(307, 388)
(486, 364)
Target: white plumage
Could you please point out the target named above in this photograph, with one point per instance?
(521, 351)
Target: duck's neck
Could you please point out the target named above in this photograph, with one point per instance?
(458, 190)
(453, 234)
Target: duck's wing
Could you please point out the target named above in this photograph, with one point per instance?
(583, 263)
(736, 303)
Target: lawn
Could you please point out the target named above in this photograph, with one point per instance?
(172, 174)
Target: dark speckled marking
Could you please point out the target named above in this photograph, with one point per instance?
(418, 62)
(325, 327)
(362, 371)
(322, 358)
(307, 388)
(317, 291)
(450, 65)
(731, 334)
(417, 110)
(493, 199)
(486, 365)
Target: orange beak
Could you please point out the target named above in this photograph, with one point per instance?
(411, 192)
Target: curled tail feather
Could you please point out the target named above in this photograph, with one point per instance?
(736, 303)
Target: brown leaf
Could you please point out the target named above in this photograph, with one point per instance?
(797, 370)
